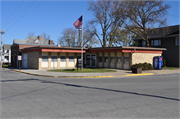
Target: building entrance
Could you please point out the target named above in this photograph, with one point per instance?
(90, 60)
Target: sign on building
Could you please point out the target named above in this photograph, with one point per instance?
(19, 57)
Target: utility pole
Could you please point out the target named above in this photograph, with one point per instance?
(2, 32)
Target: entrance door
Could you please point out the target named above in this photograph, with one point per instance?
(24, 60)
(90, 60)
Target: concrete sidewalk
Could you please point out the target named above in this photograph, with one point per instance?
(119, 73)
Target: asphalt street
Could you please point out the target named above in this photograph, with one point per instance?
(27, 96)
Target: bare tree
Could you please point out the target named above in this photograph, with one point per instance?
(46, 38)
(70, 37)
(109, 16)
(145, 15)
(31, 39)
(125, 37)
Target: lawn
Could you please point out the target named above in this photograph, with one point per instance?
(170, 68)
(85, 70)
(5, 65)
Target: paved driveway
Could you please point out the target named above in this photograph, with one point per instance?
(26, 96)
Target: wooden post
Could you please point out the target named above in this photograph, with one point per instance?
(97, 59)
(102, 59)
(49, 60)
(122, 63)
(109, 60)
(115, 60)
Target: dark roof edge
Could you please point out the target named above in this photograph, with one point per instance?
(128, 47)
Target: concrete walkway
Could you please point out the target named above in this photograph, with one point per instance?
(119, 73)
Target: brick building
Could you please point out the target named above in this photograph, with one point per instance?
(31, 41)
(52, 57)
(165, 37)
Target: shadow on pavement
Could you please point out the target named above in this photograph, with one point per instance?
(80, 86)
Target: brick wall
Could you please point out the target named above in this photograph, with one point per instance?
(33, 60)
(143, 57)
(171, 55)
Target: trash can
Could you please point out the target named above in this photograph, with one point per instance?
(157, 62)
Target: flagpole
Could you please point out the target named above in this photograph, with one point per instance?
(82, 44)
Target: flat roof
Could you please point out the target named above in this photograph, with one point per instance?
(128, 47)
(54, 47)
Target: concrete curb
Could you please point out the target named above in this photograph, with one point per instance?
(78, 76)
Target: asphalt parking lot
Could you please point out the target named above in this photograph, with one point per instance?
(26, 96)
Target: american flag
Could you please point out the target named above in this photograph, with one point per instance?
(78, 23)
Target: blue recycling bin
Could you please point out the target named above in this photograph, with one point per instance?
(158, 62)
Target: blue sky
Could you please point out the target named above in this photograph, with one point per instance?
(51, 17)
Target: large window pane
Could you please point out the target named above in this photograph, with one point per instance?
(44, 58)
(106, 59)
(177, 41)
(152, 43)
(143, 43)
(156, 42)
(119, 60)
(62, 58)
(53, 58)
(159, 42)
(100, 59)
(126, 59)
(112, 60)
(71, 58)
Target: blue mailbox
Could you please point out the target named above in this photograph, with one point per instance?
(157, 62)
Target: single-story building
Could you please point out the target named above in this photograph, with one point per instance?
(52, 57)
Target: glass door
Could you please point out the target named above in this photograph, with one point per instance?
(90, 60)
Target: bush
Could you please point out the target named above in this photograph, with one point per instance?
(145, 66)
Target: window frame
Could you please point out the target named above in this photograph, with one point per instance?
(62, 58)
(120, 60)
(158, 42)
(71, 58)
(126, 60)
(100, 57)
(105, 59)
(176, 41)
(111, 59)
(53, 58)
(43, 60)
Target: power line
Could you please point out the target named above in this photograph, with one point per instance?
(14, 10)
(24, 11)
(25, 15)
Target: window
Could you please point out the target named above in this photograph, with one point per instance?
(155, 42)
(143, 43)
(44, 58)
(63, 59)
(119, 60)
(112, 59)
(100, 59)
(71, 58)
(126, 59)
(177, 41)
(106, 59)
(7, 51)
(7, 57)
(53, 58)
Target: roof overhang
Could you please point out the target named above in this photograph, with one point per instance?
(53, 49)
(128, 49)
